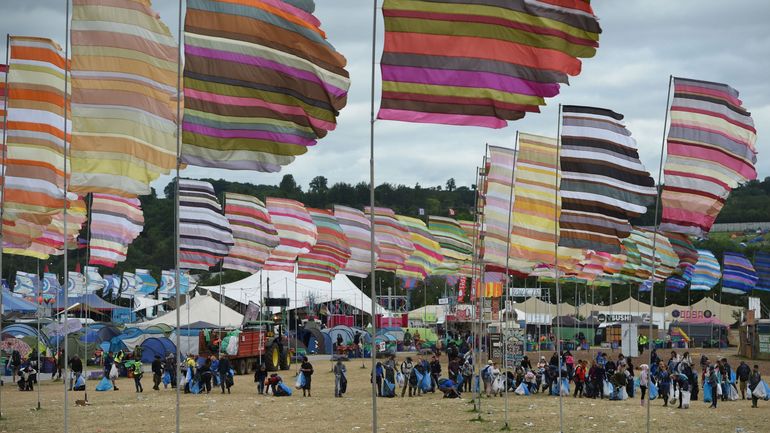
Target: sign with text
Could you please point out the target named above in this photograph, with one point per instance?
(602, 317)
(521, 292)
(694, 314)
(514, 346)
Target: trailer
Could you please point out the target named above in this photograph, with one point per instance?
(258, 342)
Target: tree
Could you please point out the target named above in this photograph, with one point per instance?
(319, 185)
(289, 187)
(450, 184)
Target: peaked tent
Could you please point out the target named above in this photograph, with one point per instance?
(200, 308)
(12, 303)
(282, 286)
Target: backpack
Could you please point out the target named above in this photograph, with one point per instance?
(486, 373)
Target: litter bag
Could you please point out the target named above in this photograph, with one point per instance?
(565, 386)
(300, 381)
(760, 391)
(400, 379)
(104, 385)
(166, 379)
(685, 399)
(522, 389)
(114, 372)
(653, 391)
(707, 392)
(606, 389)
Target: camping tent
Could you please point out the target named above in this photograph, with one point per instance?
(199, 308)
(280, 284)
(15, 304)
(160, 346)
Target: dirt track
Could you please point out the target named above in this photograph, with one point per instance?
(244, 411)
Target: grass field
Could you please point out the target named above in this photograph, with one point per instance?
(245, 411)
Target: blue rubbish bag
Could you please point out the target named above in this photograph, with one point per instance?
(300, 381)
(460, 379)
(554, 389)
(104, 385)
(707, 392)
(284, 389)
(195, 387)
(732, 377)
(80, 382)
(389, 388)
(166, 379)
(425, 383)
(653, 391)
(564, 386)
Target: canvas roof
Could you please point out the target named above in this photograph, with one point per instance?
(282, 285)
(201, 308)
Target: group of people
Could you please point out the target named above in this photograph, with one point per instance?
(201, 374)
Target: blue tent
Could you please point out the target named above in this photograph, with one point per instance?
(159, 346)
(12, 303)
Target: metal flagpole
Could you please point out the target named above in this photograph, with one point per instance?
(507, 277)
(363, 328)
(221, 293)
(2, 184)
(655, 239)
(472, 291)
(37, 349)
(64, 212)
(479, 292)
(177, 242)
(371, 218)
(556, 267)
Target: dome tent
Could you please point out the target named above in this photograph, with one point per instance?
(160, 346)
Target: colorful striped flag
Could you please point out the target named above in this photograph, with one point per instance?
(498, 202)
(684, 248)
(739, 276)
(456, 249)
(253, 233)
(706, 272)
(296, 233)
(330, 252)
(358, 229)
(115, 223)
(124, 93)
(262, 84)
(426, 255)
(603, 182)
(34, 178)
(205, 234)
(480, 63)
(710, 152)
(392, 238)
(762, 265)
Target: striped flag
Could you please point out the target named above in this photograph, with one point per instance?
(35, 130)
(706, 272)
(392, 238)
(456, 249)
(762, 265)
(253, 233)
(124, 92)
(498, 205)
(426, 255)
(115, 223)
(330, 252)
(603, 182)
(480, 63)
(710, 151)
(739, 276)
(205, 234)
(357, 229)
(296, 233)
(262, 84)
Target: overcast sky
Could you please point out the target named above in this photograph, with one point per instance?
(643, 42)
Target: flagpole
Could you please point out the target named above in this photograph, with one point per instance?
(479, 292)
(176, 208)
(556, 266)
(507, 278)
(37, 349)
(371, 216)
(2, 184)
(221, 291)
(64, 212)
(655, 237)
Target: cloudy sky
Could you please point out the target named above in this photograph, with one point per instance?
(643, 42)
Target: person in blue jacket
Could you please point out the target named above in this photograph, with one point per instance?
(664, 382)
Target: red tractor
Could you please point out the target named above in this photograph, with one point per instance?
(257, 342)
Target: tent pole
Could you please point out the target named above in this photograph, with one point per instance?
(177, 270)
(655, 239)
(2, 185)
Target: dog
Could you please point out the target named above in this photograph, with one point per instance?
(82, 403)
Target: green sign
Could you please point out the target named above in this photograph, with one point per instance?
(764, 343)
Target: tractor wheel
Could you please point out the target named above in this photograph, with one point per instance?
(286, 359)
(240, 366)
(273, 358)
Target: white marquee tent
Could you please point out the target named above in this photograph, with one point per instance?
(201, 308)
(254, 287)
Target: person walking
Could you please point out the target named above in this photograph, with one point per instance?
(59, 358)
(410, 379)
(754, 379)
(713, 380)
(743, 372)
(260, 375)
(579, 379)
(307, 369)
(630, 375)
(664, 383)
(157, 372)
(644, 380)
(435, 373)
(204, 371)
(136, 370)
(340, 378)
(225, 378)
(467, 372)
(169, 367)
